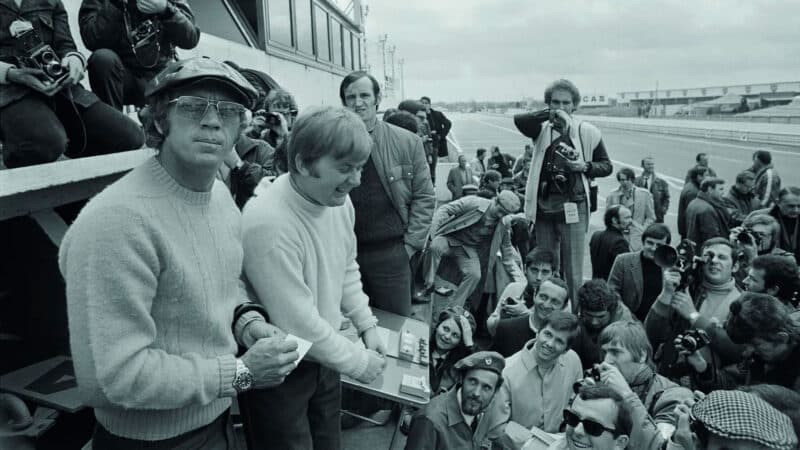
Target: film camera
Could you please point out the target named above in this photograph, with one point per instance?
(748, 237)
(681, 258)
(593, 373)
(694, 340)
(590, 377)
(38, 55)
(144, 34)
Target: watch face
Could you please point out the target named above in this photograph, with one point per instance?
(243, 381)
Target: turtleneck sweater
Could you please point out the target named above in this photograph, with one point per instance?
(152, 272)
(300, 259)
(717, 301)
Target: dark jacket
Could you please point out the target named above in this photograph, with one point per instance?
(627, 279)
(587, 344)
(102, 26)
(767, 185)
(604, 247)
(660, 190)
(455, 181)
(740, 205)
(706, 218)
(441, 125)
(749, 372)
(49, 19)
(512, 334)
(689, 193)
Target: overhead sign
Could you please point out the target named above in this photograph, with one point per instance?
(594, 100)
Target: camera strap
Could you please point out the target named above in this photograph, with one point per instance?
(155, 45)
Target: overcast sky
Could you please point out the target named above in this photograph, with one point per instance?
(506, 49)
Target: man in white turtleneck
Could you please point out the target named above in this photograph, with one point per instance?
(705, 307)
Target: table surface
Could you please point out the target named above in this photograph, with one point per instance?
(387, 385)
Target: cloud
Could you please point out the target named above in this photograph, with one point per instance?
(502, 49)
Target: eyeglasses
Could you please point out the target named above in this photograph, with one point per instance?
(195, 108)
(591, 427)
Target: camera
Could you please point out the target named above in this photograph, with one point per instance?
(39, 55)
(747, 237)
(681, 258)
(694, 340)
(144, 33)
(593, 373)
(272, 119)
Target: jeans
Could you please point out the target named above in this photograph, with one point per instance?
(113, 82)
(218, 435)
(302, 413)
(37, 129)
(568, 243)
(468, 262)
(386, 276)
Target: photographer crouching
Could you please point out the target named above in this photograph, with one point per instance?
(44, 112)
(758, 235)
(131, 41)
(696, 295)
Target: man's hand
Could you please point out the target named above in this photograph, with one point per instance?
(683, 435)
(34, 79)
(375, 365)
(695, 359)
(151, 6)
(670, 282)
(513, 309)
(259, 329)
(682, 304)
(373, 341)
(75, 67)
(613, 378)
(282, 127)
(270, 360)
(565, 118)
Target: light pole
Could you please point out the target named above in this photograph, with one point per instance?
(402, 78)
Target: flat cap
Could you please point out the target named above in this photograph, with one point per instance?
(509, 200)
(742, 416)
(491, 361)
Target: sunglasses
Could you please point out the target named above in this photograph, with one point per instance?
(591, 427)
(195, 108)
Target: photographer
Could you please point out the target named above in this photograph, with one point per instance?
(776, 276)
(44, 112)
(771, 336)
(703, 305)
(558, 195)
(787, 213)
(131, 41)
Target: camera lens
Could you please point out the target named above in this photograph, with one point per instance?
(48, 57)
(54, 69)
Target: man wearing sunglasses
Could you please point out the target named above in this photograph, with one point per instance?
(152, 266)
(596, 420)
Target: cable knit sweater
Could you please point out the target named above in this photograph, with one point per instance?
(300, 259)
(152, 272)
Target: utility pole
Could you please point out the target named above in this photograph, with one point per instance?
(392, 49)
(382, 42)
(402, 78)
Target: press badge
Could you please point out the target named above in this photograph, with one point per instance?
(571, 212)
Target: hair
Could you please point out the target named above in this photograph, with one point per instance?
(628, 172)
(611, 213)
(412, 106)
(154, 115)
(326, 130)
(657, 231)
(388, 113)
(623, 423)
(711, 183)
(425, 98)
(454, 312)
(595, 295)
(793, 190)
(564, 85)
(541, 255)
(700, 156)
(479, 152)
(631, 335)
(495, 147)
(403, 119)
(696, 171)
(781, 272)
(718, 241)
(760, 316)
(764, 219)
(763, 156)
(779, 397)
(279, 96)
(558, 281)
(490, 175)
(352, 77)
(745, 176)
(564, 321)
(645, 159)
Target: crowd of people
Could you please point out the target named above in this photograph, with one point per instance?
(189, 280)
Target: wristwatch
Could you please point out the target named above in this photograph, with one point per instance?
(693, 317)
(243, 380)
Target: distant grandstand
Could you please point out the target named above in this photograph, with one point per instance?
(790, 113)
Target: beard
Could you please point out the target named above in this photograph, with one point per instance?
(471, 405)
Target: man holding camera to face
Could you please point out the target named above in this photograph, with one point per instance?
(44, 111)
(131, 41)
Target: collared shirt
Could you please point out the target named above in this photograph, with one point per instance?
(539, 395)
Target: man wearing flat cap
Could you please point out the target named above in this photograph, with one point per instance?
(567, 155)
(470, 230)
(466, 416)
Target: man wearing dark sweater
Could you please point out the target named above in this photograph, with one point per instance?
(606, 245)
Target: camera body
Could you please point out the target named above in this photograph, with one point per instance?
(144, 33)
(272, 119)
(747, 237)
(694, 340)
(593, 373)
(682, 259)
(39, 55)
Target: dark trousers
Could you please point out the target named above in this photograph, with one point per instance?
(218, 435)
(386, 276)
(37, 129)
(114, 83)
(300, 414)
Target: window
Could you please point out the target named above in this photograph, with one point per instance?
(212, 17)
(305, 34)
(248, 12)
(357, 61)
(348, 49)
(336, 42)
(280, 21)
(321, 27)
